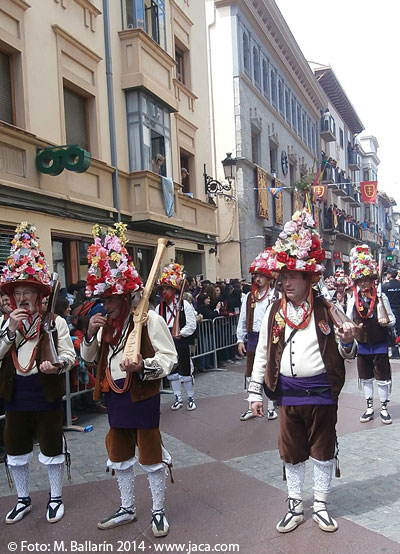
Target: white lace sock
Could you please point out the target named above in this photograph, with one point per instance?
(295, 475)
(368, 387)
(176, 387)
(157, 480)
(383, 391)
(126, 481)
(20, 475)
(56, 474)
(322, 474)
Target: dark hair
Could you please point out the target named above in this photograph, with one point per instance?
(392, 272)
(61, 305)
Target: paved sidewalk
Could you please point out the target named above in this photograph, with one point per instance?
(228, 483)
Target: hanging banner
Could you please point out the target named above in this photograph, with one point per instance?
(262, 190)
(320, 192)
(369, 191)
(297, 201)
(275, 191)
(278, 203)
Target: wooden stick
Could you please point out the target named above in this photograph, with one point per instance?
(139, 314)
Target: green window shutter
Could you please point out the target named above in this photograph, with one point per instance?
(6, 108)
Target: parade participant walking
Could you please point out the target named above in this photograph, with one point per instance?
(251, 315)
(179, 316)
(31, 385)
(341, 284)
(132, 390)
(372, 360)
(299, 361)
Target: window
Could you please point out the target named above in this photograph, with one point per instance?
(299, 126)
(308, 132)
(148, 15)
(256, 65)
(76, 119)
(255, 146)
(273, 159)
(341, 137)
(246, 53)
(366, 175)
(304, 127)
(187, 162)
(182, 58)
(265, 79)
(280, 96)
(180, 69)
(6, 236)
(287, 105)
(149, 132)
(273, 87)
(6, 92)
(313, 134)
(294, 121)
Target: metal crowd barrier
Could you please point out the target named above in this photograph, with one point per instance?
(214, 336)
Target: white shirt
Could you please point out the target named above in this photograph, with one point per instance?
(259, 312)
(65, 348)
(190, 315)
(160, 366)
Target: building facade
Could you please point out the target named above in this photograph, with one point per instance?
(119, 79)
(269, 115)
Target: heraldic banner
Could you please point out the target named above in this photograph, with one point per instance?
(369, 191)
(320, 192)
(262, 190)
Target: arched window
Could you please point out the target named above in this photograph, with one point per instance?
(265, 79)
(246, 52)
(256, 66)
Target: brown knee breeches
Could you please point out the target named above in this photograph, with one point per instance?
(374, 366)
(21, 428)
(306, 431)
(121, 445)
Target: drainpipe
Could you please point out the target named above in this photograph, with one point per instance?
(111, 113)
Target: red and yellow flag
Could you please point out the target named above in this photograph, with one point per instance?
(369, 190)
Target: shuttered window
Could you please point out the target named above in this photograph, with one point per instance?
(6, 103)
(6, 236)
(76, 119)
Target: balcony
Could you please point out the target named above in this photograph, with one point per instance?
(145, 64)
(146, 206)
(356, 201)
(354, 158)
(329, 176)
(328, 128)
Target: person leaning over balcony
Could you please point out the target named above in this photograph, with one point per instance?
(372, 360)
(299, 361)
(157, 163)
(131, 388)
(32, 386)
(252, 312)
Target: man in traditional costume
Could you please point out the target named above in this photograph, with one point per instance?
(341, 285)
(31, 386)
(170, 283)
(373, 359)
(299, 362)
(252, 312)
(132, 389)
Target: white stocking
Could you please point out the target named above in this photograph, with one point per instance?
(295, 479)
(20, 475)
(189, 387)
(322, 473)
(157, 481)
(126, 479)
(176, 387)
(55, 473)
(383, 391)
(368, 387)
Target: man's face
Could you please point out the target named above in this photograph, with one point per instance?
(295, 286)
(260, 281)
(365, 283)
(26, 298)
(168, 293)
(113, 306)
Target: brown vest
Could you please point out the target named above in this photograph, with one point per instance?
(372, 332)
(139, 390)
(333, 361)
(250, 312)
(53, 385)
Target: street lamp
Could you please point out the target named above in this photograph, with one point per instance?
(214, 187)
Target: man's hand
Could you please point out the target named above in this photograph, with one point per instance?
(349, 331)
(383, 322)
(241, 349)
(48, 367)
(95, 322)
(129, 365)
(16, 317)
(257, 409)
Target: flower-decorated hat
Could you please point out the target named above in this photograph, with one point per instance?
(341, 278)
(111, 268)
(26, 263)
(171, 276)
(362, 264)
(298, 247)
(330, 283)
(260, 264)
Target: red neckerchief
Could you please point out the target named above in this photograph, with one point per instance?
(360, 306)
(254, 296)
(306, 315)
